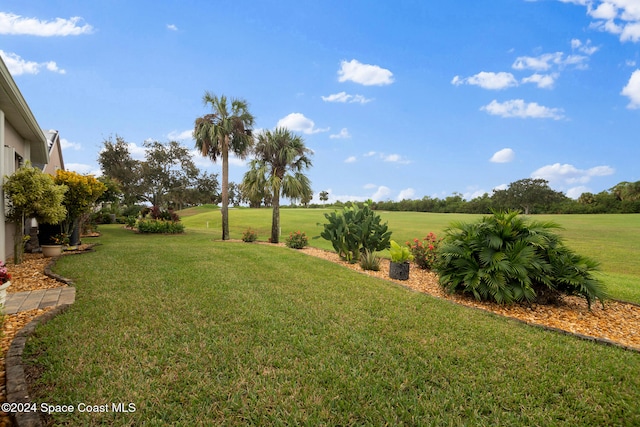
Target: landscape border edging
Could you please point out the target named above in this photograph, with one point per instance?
(17, 388)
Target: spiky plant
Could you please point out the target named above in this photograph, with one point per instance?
(370, 261)
(505, 258)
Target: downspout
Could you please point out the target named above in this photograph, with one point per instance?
(3, 234)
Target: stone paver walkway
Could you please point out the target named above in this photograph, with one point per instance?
(23, 301)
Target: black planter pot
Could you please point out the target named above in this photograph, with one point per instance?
(46, 232)
(399, 270)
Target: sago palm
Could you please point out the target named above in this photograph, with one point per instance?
(280, 159)
(220, 132)
(505, 258)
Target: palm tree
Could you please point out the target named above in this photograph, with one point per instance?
(220, 132)
(280, 158)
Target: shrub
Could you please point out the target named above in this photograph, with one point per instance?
(355, 230)
(424, 253)
(159, 226)
(101, 217)
(156, 220)
(130, 221)
(297, 240)
(505, 259)
(370, 261)
(132, 210)
(168, 215)
(249, 236)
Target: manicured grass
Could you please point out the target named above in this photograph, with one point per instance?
(612, 240)
(199, 332)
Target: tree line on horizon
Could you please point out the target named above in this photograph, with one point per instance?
(531, 196)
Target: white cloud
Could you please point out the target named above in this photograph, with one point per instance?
(174, 135)
(632, 90)
(343, 134)
(172, 27)
(538, 63)
(137, 152)
(236, 161)
(66, 145)
(381, 193)
(297, 122)
(618, 17)
(351, 159)
(18, 66)
(631, 32)
(519, 108)
(205, 162)
(488, 80)
(406, 194)
(575, 192)
(500, 187)
(505, 155)
(605, 11)
(546, 61)
(472, 194)
(543, 81)
(568, 175)
(83, 169)
(585, 47)
(395, 158)
(345, 97)
(17, 25)
(364, 74)
(370, 153)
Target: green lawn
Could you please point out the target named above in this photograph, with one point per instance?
(200, 332)
(612, 240)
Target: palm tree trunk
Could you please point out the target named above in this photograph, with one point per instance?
(225, 190)
(275, 219)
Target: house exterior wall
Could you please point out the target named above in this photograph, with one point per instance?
(21, 140)
(14, 150)
(55, 154)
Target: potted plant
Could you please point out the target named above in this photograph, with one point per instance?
(55, 245)
(400, 258)
(5, 282)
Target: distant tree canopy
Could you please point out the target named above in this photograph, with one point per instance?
(533, 196)
(116, 162)
(527, 195)
(167, 176)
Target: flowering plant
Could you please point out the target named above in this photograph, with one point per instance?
(424, 253)
(4, 273)
(249, 236)
(297, 240)
(60, 239)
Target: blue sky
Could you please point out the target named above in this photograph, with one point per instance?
(397, 99)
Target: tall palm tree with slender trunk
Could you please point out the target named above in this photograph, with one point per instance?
(222, 131)
(280, 159)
